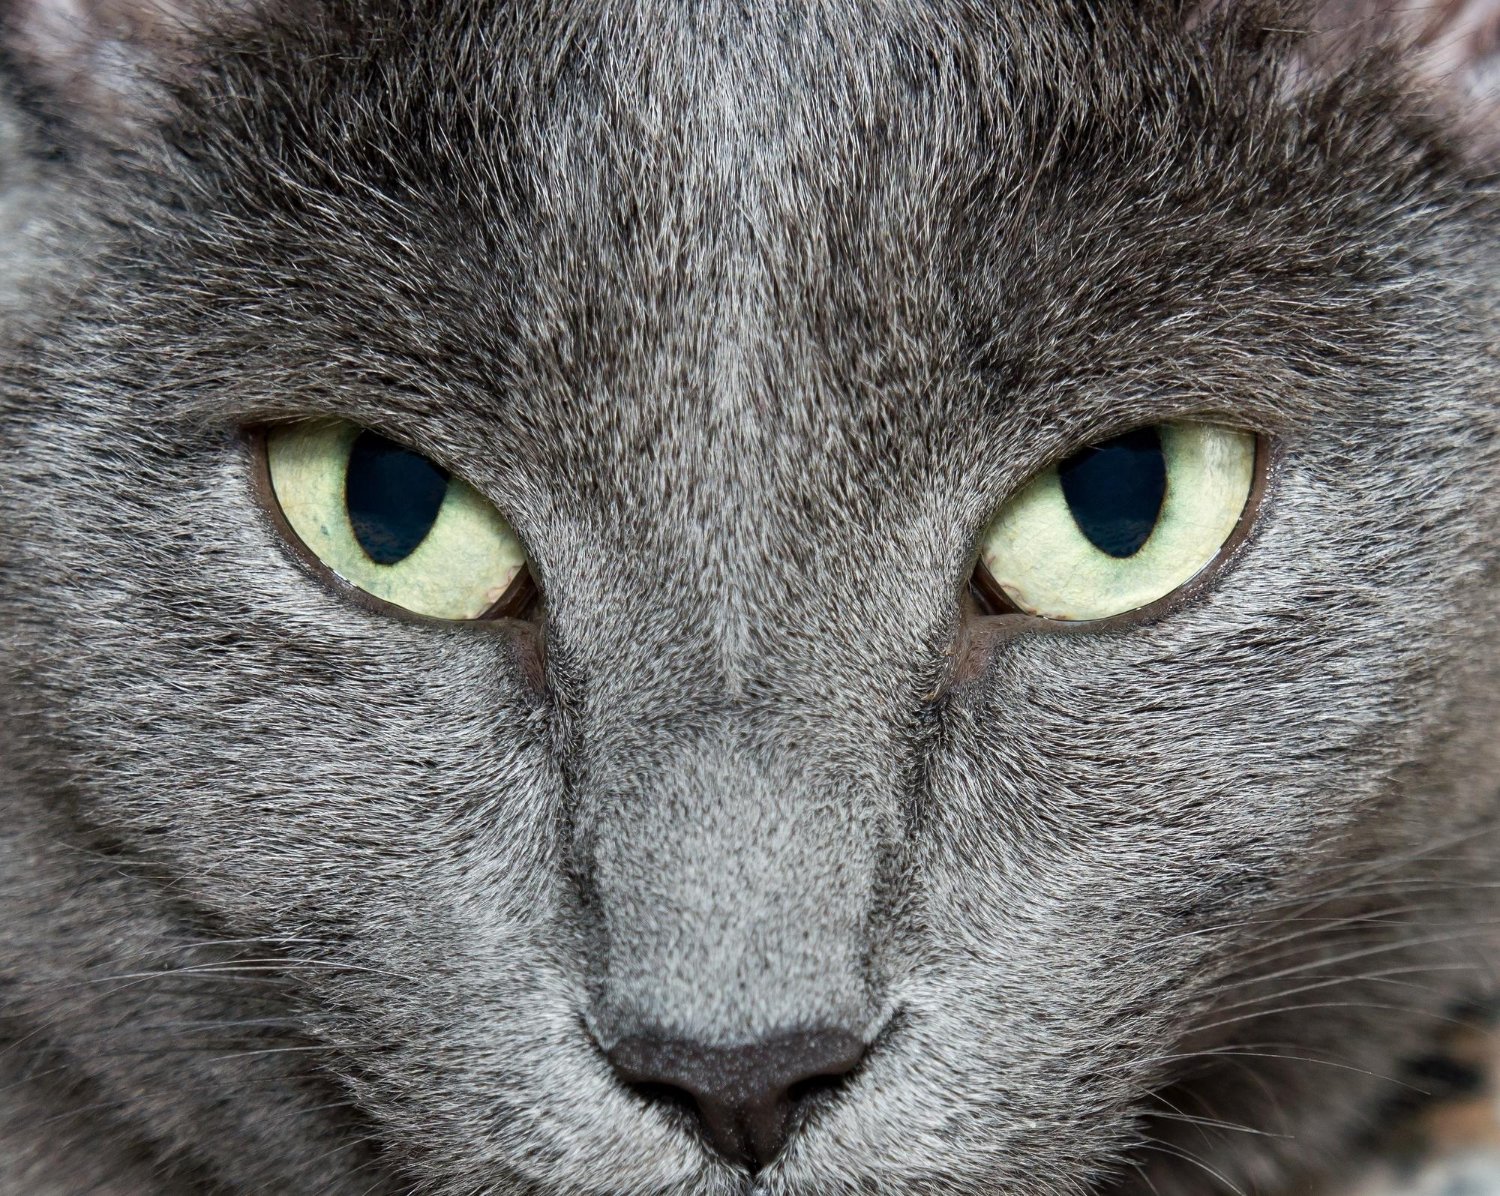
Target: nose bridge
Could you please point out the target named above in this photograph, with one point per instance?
(733, 889)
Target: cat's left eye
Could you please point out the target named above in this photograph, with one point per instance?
(1120, 525)
(394, 525)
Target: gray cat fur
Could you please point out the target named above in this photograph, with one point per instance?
(749, 316)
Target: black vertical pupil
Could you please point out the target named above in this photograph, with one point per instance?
(1115, 490)
(393, 496)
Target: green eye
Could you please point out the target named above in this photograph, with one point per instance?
(1120, 524)
(390, 522)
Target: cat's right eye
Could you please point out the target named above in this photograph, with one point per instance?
(393, 524)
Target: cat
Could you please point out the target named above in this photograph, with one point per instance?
(700, 598)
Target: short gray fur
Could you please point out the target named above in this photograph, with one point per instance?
(749, 316)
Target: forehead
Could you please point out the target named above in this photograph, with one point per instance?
(844, 246)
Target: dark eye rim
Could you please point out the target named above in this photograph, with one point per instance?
(989, 605)
(520, 602)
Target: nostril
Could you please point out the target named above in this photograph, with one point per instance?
(668, 1096)
(743, 1096)
(810, 1090)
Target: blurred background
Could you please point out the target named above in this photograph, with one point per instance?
(1447, 1141)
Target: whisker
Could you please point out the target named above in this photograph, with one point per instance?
(1188, 1156)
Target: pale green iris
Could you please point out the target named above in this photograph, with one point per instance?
(1035, 551)
(465, 564)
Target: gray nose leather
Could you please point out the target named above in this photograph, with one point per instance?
(744, 1096)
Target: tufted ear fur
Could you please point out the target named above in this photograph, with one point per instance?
(1452, 48)
(94, 60)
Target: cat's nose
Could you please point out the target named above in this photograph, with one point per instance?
(744, 1096)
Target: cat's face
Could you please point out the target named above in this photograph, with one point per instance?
(749, 324)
